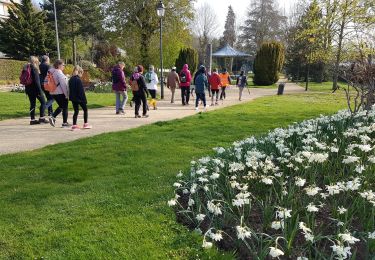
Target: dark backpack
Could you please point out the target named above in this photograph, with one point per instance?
(183, 77)
(115, 78)
(26, 78)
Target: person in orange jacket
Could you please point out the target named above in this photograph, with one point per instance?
(215, 83)
(225, 82)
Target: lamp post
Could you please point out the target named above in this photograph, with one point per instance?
(160, 10)
(311, 41)
(57, 31)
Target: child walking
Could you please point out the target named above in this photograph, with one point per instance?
(78, 97)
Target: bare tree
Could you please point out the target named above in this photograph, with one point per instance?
(206, 27)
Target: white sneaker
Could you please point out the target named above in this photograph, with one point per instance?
(196, 109)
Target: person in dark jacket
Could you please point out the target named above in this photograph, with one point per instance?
(139, 88)
(78, 97)
(44, 67)
(201, 83)
(34, 92)
(119, 87)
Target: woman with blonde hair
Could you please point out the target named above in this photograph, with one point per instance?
(78, 97)
(33, 90)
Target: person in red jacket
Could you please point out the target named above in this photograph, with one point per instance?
(215, 84)
(185, 79)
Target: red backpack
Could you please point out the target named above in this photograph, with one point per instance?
(25, 78)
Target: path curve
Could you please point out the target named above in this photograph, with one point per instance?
(17, 136)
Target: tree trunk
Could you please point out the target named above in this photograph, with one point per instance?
(74, 58)
(339, 50)
(144, 48)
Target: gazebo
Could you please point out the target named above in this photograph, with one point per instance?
(229, 52)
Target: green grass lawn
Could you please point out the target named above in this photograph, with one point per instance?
(321, 87)
(14, 105)
(105, 197)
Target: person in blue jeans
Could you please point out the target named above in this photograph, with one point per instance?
(119, 87)
(201, 83)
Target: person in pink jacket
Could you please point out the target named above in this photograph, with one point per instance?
(185, 79)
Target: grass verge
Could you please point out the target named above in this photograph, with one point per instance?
(105, 196)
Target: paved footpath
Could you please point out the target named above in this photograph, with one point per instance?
(16, 135)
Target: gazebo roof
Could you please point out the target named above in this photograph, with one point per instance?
(229, 52)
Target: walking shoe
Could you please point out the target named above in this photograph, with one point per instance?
(122, 112)
(137, 116)
(117, 112)
(42, 120)
(87, 126)
(196, 109)
(52, 121)
(216, 103)
(75, 127)
(145, 116)
(65, 125)
(34, 122)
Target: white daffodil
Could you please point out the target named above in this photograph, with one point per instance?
(312, 208)
(341, 210)
(172, 202)
(216, 236)
(200, 217)
(275, 252)
(371, 235)
(243, 232)
(300, 182)
(214, 208)
(277, 225)
(267, 180)
(206, 244)
(312, 190)
(348, 238)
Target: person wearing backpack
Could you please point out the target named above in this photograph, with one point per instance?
(78, 98)
(201, 83)
(185, 79)
(152, 85)
(138, 86)
(119, 87)
(60, 94)
(241, 83)
(44, 67)
(30, 78)
(173, 80)
(215, 83)
(225, 82)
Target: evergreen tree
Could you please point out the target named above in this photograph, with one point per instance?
(268, 63)
(187, 56)
(229, 36)
(263, 23)
(25, 32)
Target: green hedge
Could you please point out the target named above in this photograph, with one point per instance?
(10, 70)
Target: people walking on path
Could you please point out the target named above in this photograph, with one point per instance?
(119, 87)
(44, 67)
(241, 83)
(78, 97)
(225, 82)
(215, 83)
(60, 95)
(138, 86)
(173, 81)
(152, 85)
(185, 79)
(201, 83)
(30, 78)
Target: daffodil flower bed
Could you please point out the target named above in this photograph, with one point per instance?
(304, 192)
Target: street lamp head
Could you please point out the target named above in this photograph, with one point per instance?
(160, 9)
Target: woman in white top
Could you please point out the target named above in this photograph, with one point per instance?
(152, 85)
(61, 94)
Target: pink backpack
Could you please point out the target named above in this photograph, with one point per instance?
(25, 78)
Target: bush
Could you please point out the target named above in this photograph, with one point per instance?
(187, 56)
(268, 63)
(10, 70)
(304, 192)
(68, 70)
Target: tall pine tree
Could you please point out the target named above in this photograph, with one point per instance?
(263, 23)
(25, 32)
(229, 36)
